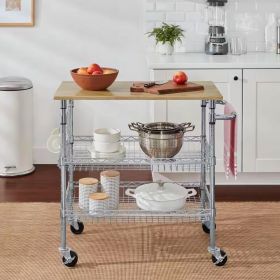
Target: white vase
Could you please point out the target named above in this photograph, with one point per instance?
(165, 49)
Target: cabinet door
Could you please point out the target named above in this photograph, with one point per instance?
(261, 128)
(229, 82)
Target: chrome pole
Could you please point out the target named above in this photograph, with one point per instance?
(212, 159)
(203, 153)
(63, 176)
(70, 143)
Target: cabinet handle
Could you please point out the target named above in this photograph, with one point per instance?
(235, 78)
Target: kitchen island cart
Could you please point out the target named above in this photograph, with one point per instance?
(198, 156)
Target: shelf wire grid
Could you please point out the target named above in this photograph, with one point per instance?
(128, 211)
(189, 159)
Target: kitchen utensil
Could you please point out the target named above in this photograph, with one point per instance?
(98, 203)
(151, 84)
(110, 183)
(87, 186)
(161, 139)
(216, 42)
(108, 135)
(120, 154)
(163, 197)
(104, 147)
(168, 87)
(238, 45)
(95, 82)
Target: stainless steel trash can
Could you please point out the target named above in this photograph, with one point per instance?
(16, 126)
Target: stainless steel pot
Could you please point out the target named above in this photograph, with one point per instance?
(161, 139)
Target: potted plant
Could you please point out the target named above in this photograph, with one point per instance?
(166, 36)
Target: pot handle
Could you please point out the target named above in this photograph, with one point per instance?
(191, 192)
(130, 192)
(136, 126)
(187, 127)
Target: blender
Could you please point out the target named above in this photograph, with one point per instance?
(216, 42)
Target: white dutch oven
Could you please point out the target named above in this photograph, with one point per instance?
(164, 197)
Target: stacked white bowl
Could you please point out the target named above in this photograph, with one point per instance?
(107, 140)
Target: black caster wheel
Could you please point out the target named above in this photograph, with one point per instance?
(206, 229)
(79, 230)
(222, 262)
(72, 262)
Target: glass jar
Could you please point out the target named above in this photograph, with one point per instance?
(216, 14)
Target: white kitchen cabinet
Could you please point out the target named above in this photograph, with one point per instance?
(261, 117)
(228, 81)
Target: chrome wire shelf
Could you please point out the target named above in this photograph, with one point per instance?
(188, 160)
(129, 212)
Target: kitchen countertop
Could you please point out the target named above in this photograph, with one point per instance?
(202, 60)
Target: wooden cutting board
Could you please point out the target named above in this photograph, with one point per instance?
(169, 87)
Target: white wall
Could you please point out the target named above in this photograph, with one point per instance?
(69, 34)
(244, 17)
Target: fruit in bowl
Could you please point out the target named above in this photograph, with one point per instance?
(94, 77)
(93, 68)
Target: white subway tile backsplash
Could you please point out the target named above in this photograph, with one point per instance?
(165, 6)
(246, 18)
(194, 16)
(175, 16)
(185, 6)
(189, 27)
(155, 16)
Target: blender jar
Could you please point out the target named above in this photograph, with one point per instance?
(216, 14)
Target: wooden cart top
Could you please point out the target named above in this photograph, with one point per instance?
(121, 91)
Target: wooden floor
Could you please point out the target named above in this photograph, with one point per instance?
(44, 186)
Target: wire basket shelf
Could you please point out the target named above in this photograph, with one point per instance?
(189, 159)
(128, 211)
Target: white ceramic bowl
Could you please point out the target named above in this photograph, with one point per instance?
(103, 147)
(107, 135)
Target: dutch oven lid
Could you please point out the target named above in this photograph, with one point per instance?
(168, 192)
(15, 84)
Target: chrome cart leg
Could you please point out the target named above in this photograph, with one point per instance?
(76, 226)
(219, 257)
(69, 257)
(203, 143)
(205, 224)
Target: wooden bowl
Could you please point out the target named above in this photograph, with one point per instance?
(95, 82)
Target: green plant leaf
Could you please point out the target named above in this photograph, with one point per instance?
(167, 33)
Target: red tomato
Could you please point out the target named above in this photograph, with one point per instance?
(180, 78)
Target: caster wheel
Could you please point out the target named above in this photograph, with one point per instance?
(72, 262)
(79, 230)
(206, 229)
(222, 262)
